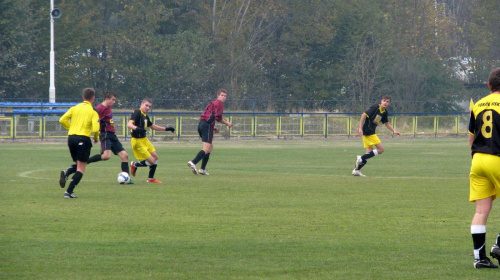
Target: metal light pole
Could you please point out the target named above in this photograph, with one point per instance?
(54, 14)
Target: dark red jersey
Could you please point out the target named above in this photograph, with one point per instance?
(213, 112)
(105, 118)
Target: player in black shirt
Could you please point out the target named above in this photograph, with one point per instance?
(484, 140)
(143, 149)
(369, 121)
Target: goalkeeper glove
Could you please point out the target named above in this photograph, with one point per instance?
(169, 128)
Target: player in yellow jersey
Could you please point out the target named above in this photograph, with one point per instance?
(81, 121)
(484, 141)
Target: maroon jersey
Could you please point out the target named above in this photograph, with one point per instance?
(213, 112)
(105, 118)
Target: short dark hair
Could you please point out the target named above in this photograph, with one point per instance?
(109, 95)
(88, 93)
(147, 100)
(221, 91)
(386, 97)
(494, 80)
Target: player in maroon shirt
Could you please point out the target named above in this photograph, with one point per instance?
(206, 128)
(109, 141)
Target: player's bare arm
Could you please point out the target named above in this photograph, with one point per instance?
(131, 125)
(389, 126)
(226, 123)
(162, 128)
(361, 123)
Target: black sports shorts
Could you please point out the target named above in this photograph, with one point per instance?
(79, 147)
(109, 141)
(206, 132)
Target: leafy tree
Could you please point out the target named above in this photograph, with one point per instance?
(24, 45)
(285, 52)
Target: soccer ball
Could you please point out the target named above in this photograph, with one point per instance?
(123, 178)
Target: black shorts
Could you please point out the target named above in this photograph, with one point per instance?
(79, 147)
(109, 141)
(206, 132)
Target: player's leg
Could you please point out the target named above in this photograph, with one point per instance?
(105, 146)
(75, 179)
(153, 163)
(145, 152)
(207, 149)
(140, 152)
(369, 142)
(72, 146)
(63, 177)
(205, 131)
(489, 165)
(73, 149)
(478, 232)
(362, 161)
(124, 164)
(81, 153)
(117, 149)
(482, 191)
(124, 161)
(201, 154)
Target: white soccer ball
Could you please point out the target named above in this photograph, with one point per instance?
(123, 178)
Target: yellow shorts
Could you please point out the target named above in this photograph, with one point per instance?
(142, 148)
(370, 141)
(484, 176)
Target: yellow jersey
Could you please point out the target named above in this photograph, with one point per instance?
(82, 120)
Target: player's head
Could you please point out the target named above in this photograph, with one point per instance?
(222, 94)
(109, 98)
(494, 80)
(146, 104)
(88, 94)
(385, 101)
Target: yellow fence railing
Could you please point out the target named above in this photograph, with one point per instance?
(248, 125)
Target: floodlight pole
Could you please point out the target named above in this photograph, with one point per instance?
(52, 86)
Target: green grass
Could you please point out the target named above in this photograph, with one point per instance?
(281, 209)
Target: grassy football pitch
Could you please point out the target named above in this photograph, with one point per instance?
(285, 209)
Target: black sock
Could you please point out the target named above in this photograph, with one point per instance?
(367, 156)
(362, 164)
(498, 239)
(152, 170)
(204, 161)
(141, 163)
(479, 240)
(125, 167)
(94, 158)
(74, 181)
(364, 159)
(198, 157)
(71, 170)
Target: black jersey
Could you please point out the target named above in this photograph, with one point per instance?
(374, 116)
(140, 120)
(484, 124)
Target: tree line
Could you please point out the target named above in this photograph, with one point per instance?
(349, 52)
